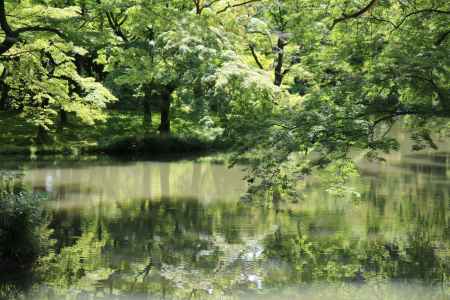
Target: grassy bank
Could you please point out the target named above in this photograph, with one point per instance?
(121, 134)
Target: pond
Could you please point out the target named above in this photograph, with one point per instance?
(177, 230)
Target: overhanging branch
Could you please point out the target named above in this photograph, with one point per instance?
(442, 38)
(12, 36)
(421, 11)
(40, 29)
(235, 5)
(255, 56)
(354, 15)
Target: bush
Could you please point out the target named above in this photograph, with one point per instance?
(156, 145)
(24, 235)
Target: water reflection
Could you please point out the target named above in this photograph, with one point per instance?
(176, 230)
(87, 185)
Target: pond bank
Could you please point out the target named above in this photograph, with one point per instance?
(121, 134)
(123, 146)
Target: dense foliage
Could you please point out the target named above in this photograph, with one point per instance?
(291, 86)
(23, 231)
(295, 84)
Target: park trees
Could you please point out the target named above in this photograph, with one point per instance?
(40, 75)
(362, 67)
(174, 50)
(299, 84)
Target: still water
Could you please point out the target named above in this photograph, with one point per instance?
(177, 230)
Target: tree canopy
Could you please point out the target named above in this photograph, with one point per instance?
(297, 84)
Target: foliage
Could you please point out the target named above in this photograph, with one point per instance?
(41, 76)
(296, 85)
(355, 76)
(24, 235)
(339, 259)
(155, 145)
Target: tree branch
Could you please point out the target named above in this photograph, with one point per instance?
(235, 5)
(426, 10)
(3, 22)
(425, 113)
(40, 29)
(198, 7)
(115, 26)
(442, 38)
(354, 15)
(255, 56)
(375, 18)
(210, 3)
(12, 36)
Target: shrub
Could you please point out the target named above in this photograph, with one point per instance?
(24, 235)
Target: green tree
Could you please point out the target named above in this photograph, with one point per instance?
(41, 78)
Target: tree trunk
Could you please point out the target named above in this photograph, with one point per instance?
(276, 198)
(4, 90)
(165, 101)
(164, 126)
(62, 119)
(4, 96)
(147, 113)
(42, 136)
(279, 74)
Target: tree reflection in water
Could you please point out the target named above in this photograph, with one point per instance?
(170, 230)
